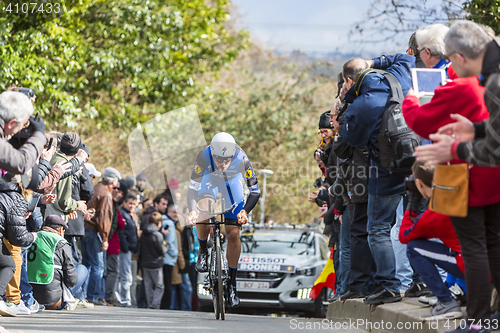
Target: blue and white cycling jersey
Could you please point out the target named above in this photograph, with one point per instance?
(208, 181)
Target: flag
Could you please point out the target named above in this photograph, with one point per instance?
(325, 279)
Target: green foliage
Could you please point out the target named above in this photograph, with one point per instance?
(486, 12)
(118, 62)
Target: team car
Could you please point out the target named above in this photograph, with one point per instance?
(277, 270)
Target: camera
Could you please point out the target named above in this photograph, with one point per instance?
(27, 91)
(20, 137)
(410, 184)
(320, 153)
(318, 182)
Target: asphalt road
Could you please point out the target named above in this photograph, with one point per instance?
(113, 319)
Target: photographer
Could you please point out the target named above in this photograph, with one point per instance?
(15, 111)
(354, 236)
(417, 230)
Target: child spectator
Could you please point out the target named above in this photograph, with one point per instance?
(152, 251)
(417, 230)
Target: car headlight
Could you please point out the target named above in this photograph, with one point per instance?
(303, 293)
(308, 271)
(202, 290)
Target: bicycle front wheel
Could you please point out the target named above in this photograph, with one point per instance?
(220, 287)
(213, 282)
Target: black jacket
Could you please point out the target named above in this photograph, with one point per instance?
(356, 175)
(152, 247)
(128, 235)
(82, 189)
(146, 214)
(187, 241)
(13, 208)
(50, 294)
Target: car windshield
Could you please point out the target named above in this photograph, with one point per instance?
(278, 243)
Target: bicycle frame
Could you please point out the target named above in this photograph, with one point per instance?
(218, 271)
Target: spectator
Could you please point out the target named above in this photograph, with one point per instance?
(97, 231)
(152, 251)
(478, 234)
(181, 287)
(13, 210)
(417, 230)
(114, 249)
(128, 245)
(361, 265)
(368, 101)
(15, 111)
(51, 270)
(413, 50)
(141, 184)
(160, 204)
(170, 259)
(92, 171)
(431, 50)
(82, 189)
(130, 183)
(65, 204)
(193, 274)
(182, 294)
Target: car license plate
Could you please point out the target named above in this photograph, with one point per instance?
(253, 285)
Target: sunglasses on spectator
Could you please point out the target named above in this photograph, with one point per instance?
(220, 159)
(116, 188)
(325, 132)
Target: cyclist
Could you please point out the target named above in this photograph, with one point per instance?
(221, 168)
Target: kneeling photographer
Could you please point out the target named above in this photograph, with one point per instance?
(15, 117)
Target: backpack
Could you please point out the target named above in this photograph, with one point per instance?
(396, 140)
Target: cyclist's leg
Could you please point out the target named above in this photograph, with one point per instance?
(203, 229)
(233, 245)
(208, 191)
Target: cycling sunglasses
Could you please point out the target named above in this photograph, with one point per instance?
(220, 159)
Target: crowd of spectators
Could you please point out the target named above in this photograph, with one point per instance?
(75, 237)
(387, 243)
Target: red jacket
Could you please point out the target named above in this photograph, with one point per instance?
(431, 225)
(466, 97)
(114, 241)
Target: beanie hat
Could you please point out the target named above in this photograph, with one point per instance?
(141, 176)
(70, 143)
(324, 120)
(130, 181)
(112, 173)
(55, 221)
(173, 184)
(123, 186)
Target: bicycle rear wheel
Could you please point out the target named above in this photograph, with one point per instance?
(220, 287)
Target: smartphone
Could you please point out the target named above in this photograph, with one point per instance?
(50, 143)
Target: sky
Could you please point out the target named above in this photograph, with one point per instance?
(308, 25)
